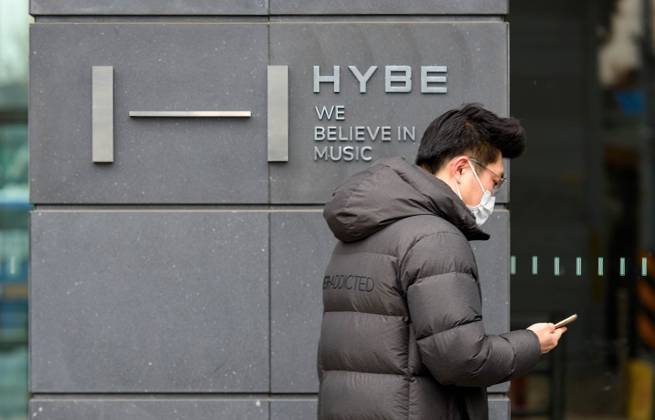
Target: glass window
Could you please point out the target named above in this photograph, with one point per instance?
(14, 207)
(583, 228)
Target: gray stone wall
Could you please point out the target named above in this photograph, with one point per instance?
(180, 278)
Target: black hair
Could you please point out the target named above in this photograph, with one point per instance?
(470, 129)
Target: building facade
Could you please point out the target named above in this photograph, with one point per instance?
(180, 154)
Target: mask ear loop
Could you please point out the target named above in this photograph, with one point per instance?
(484, 190)
(459, 194)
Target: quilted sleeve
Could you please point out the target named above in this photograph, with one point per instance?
(445, 308)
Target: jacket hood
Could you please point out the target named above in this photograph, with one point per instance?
(389, 190)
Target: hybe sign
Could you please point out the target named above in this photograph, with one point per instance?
(335, 142)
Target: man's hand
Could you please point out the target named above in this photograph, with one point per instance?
(548, 335)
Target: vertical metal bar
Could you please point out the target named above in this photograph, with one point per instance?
(278, 113)
(102, 113)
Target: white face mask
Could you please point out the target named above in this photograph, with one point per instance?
(486, 206)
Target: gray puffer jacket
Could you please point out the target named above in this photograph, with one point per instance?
(402, 334)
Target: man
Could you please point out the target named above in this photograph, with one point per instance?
(402, 334)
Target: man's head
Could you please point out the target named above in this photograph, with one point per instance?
(469, 139)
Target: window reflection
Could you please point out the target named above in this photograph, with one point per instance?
(583, 231)
(14, 207)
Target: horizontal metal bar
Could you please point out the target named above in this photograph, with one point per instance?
(191, 114)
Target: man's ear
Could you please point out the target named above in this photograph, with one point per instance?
(457, 165)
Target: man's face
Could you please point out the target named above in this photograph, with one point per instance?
(490, 177)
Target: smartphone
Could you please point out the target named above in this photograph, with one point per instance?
(566, 321)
